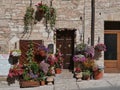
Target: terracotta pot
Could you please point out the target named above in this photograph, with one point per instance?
(25, 84)
(98, 75)
(42, 83)
(42, 53)
(86, 77)
(58, 70)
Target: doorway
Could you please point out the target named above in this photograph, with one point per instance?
(65, 42)
(112, 42)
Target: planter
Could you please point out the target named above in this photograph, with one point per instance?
(58, 70)
(86, 77)
(97, 75)
(42, 83)
(42, 53)
(50, 80)
(78, 75)
(13, 60)
(25, 84)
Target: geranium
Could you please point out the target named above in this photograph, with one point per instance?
(59, 59)
(100, 47)
(78, 70)
(42, 6)
(15, 53)
(52, 59)
(15, 71)
(79, 58)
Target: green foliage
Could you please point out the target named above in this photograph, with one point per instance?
(31, 69)
(42, 76)
(50, 16)
(28, 18)
(30, 53)
(86, 73)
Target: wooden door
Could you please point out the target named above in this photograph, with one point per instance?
(24, 48)
(112, 55)
(65, 42)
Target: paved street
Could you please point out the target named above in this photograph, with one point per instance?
(65, 81)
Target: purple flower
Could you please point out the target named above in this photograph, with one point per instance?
(42, 47)
(79, 58)
(89, 52)
(100, 47)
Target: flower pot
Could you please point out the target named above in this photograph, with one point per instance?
(42, 83)
(13, 60)
(31, 83)
(78, 75)
(98, 75)
(42, 53)
(86, 77)
(58, 70)
(50, 80)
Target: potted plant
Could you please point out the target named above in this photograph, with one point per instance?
(28, 18)
(98, 49)
(30, 75)
(58, 62)
(78, 73)
(48, 13)
(31, 70)
(42, 78)
(14, 56)
(86, 75)
(98, 71)
(15, 72)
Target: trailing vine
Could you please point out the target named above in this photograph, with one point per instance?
(43, 11)
(49, 13)
(28, 19)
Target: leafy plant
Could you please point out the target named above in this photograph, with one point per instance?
(31, 68)
(49, 14)
(100, 47)
(28, 18)
(86, 73)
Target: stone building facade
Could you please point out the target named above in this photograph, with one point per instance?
(71, 14)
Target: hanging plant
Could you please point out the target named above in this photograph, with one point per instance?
(28, 18)
(48, 13)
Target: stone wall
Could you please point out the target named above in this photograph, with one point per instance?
(70, 14)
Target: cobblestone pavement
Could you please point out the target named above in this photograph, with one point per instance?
(65, 81)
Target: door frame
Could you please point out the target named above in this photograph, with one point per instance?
(113, 66)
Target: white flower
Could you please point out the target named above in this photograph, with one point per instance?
(16, 53)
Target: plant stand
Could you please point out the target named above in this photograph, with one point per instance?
(50, 80)
(78, 76)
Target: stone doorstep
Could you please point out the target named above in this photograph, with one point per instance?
(3, 78)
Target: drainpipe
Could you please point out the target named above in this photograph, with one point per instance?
(30, 3)
(92, 21)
